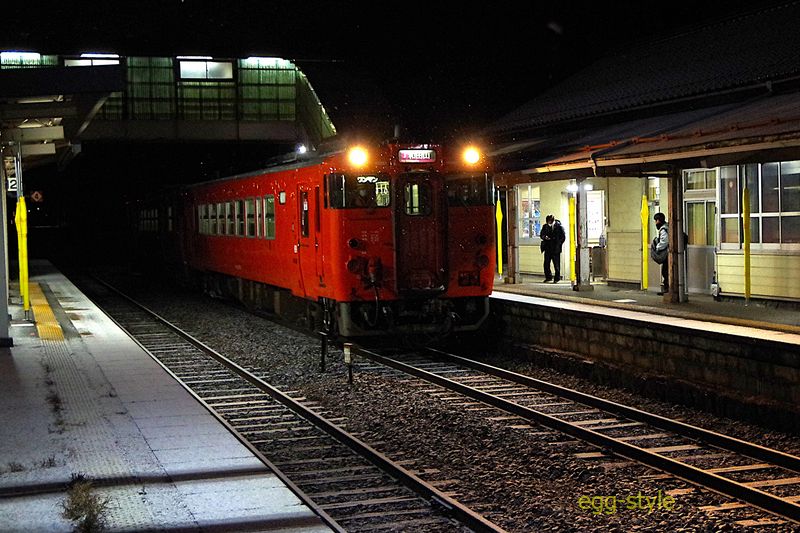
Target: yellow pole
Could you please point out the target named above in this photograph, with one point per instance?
(21, 219)
(572, 275)
(498, 214)
(645, 214)
(746, 238)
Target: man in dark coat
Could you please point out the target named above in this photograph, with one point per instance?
(553, 238)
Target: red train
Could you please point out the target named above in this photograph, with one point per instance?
(391, 239)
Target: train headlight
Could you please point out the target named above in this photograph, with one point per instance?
(482, 261)
(471, 155)
(357, 156)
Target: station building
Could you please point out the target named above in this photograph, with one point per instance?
(702, 125)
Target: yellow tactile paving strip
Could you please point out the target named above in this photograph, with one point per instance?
(46, 323)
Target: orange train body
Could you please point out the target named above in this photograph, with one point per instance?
(400, 243)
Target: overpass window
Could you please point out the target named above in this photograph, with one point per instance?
(90, 62)
(206, 70)
(150, 91)
(15, 60)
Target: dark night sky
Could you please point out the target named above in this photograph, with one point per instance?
(441, 69)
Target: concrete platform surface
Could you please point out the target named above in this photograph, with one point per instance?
(757, 314)
(78, 398)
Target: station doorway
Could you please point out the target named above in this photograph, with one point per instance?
(699, 211)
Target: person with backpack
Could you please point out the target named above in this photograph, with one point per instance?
(553, 238)
(659, 250)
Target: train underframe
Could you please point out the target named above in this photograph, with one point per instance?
(411, 316)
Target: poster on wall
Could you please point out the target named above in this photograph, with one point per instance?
(594, 215)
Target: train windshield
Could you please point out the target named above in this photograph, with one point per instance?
(465, 190)
(358, 190)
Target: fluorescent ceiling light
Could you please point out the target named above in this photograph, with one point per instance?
(100, 55)
(13, 55)
(195, 57)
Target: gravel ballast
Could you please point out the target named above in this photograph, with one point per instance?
(521, 476)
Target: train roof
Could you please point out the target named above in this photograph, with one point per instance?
(290, 161)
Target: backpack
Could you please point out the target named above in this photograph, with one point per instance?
(659, 256)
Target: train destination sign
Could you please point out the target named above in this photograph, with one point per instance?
(417, 156)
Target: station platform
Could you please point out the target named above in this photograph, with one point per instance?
(757, 314)
(80, 399)
(732, 359)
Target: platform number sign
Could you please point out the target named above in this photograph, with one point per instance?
(12, 184)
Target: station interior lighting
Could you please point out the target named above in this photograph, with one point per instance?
(573, 187)
(302, 149)
(472, 155)
(357, 156)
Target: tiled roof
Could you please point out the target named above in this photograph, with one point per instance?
(733, 53)
(733, 127)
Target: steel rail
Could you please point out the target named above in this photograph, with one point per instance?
(297, 491)
(758, 498)
(450, 506)
(769, 455)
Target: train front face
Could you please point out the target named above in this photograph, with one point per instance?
(417, 224)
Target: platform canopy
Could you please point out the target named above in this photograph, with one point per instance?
(723, 93)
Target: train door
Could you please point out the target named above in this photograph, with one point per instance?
(420, 219)
(319, 244)
(309, 251)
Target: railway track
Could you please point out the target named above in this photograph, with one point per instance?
(348, 483)
(754, 475)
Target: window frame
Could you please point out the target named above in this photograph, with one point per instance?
(756, 218)
(269, 214)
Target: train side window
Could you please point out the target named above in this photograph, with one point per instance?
(170, 219)
(335, 189)
(257, 217)
(304, 214)
(417, 199)
(347, 190)
(465, 191)
(230, 210)
(212, 219)
(269, 216)
(240, 226)
(201, 219)
(250, 217)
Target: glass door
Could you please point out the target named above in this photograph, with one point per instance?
(700, 216)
